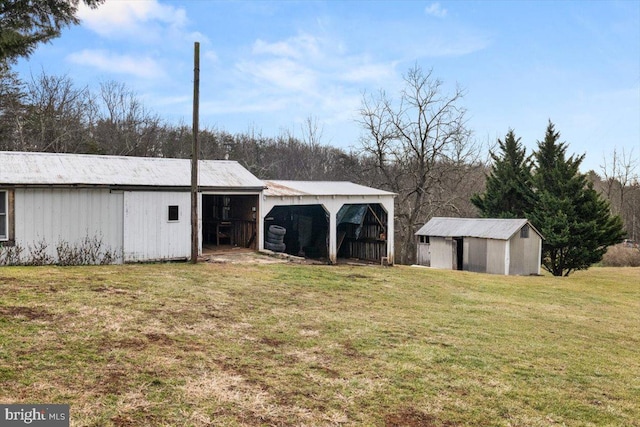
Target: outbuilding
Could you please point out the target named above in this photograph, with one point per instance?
(330, 219)
(136, 209)
(484, 245)
(139, 209)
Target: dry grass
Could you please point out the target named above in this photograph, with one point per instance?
(279, 344)
(621, 256)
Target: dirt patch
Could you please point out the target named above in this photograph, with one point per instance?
(110, 290)
(350, 350)
(410, 417)
(126, 420)
(124, 344)
(272, 342)
(6, 280)
(358, 276)
(160, 339)
(29, 313)
(327, 372)
(112, 382)
(239, 256)
(246, 256)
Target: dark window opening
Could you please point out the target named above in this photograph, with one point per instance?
(4, 215)
(524, 232)
(174, 213)
(458, 244)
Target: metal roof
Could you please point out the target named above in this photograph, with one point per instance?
(320, 188)
(488, 228)
(20, 168)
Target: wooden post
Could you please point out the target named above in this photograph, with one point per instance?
(195, 154)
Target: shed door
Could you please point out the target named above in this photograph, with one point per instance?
(458, 253)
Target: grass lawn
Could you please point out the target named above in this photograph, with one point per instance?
(282, 344)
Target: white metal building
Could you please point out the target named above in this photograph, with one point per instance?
(486, 245)
(140, 208)
(328, 219)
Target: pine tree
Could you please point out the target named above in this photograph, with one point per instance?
(508, 191)
(574, 219)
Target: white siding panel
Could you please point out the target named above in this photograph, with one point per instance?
(51, 216)
(148, 234)
(496, 256)
(476, 253)
(525, 254)
(424, 254)
(441, 253)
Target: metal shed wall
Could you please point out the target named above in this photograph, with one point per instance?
(475, 254)
(497, 256)
(148, 233)
(525, 254)
(423, 255)
(68, 214)
(441, 252)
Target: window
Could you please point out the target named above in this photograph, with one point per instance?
(174, 213)
(524, 232)
(4, 216)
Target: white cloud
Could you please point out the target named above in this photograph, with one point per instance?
(456, 45)
(374, 72)
(280, 73)
(142, 21)
(138, 66)
(211, 55)
(300, 46)
(434, 9)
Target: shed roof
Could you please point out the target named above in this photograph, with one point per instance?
(321, 188)
(20, 168)
(487, 228)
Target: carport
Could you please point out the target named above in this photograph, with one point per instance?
(330, 219)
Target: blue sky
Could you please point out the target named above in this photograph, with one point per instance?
(269, 66)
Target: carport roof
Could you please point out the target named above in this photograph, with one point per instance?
(320, 188)
(487, 228)
(21, 168)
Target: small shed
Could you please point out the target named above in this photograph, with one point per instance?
(330, 219)
(483, 245)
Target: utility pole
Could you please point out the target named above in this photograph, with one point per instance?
(195, 154)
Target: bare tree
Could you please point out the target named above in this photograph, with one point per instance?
(125, 126)
(314, 155)
(11, 109)
(621, 186)
(55, 115)
(420, 148)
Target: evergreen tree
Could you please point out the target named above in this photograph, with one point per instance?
(508, 191)
(575, 221)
